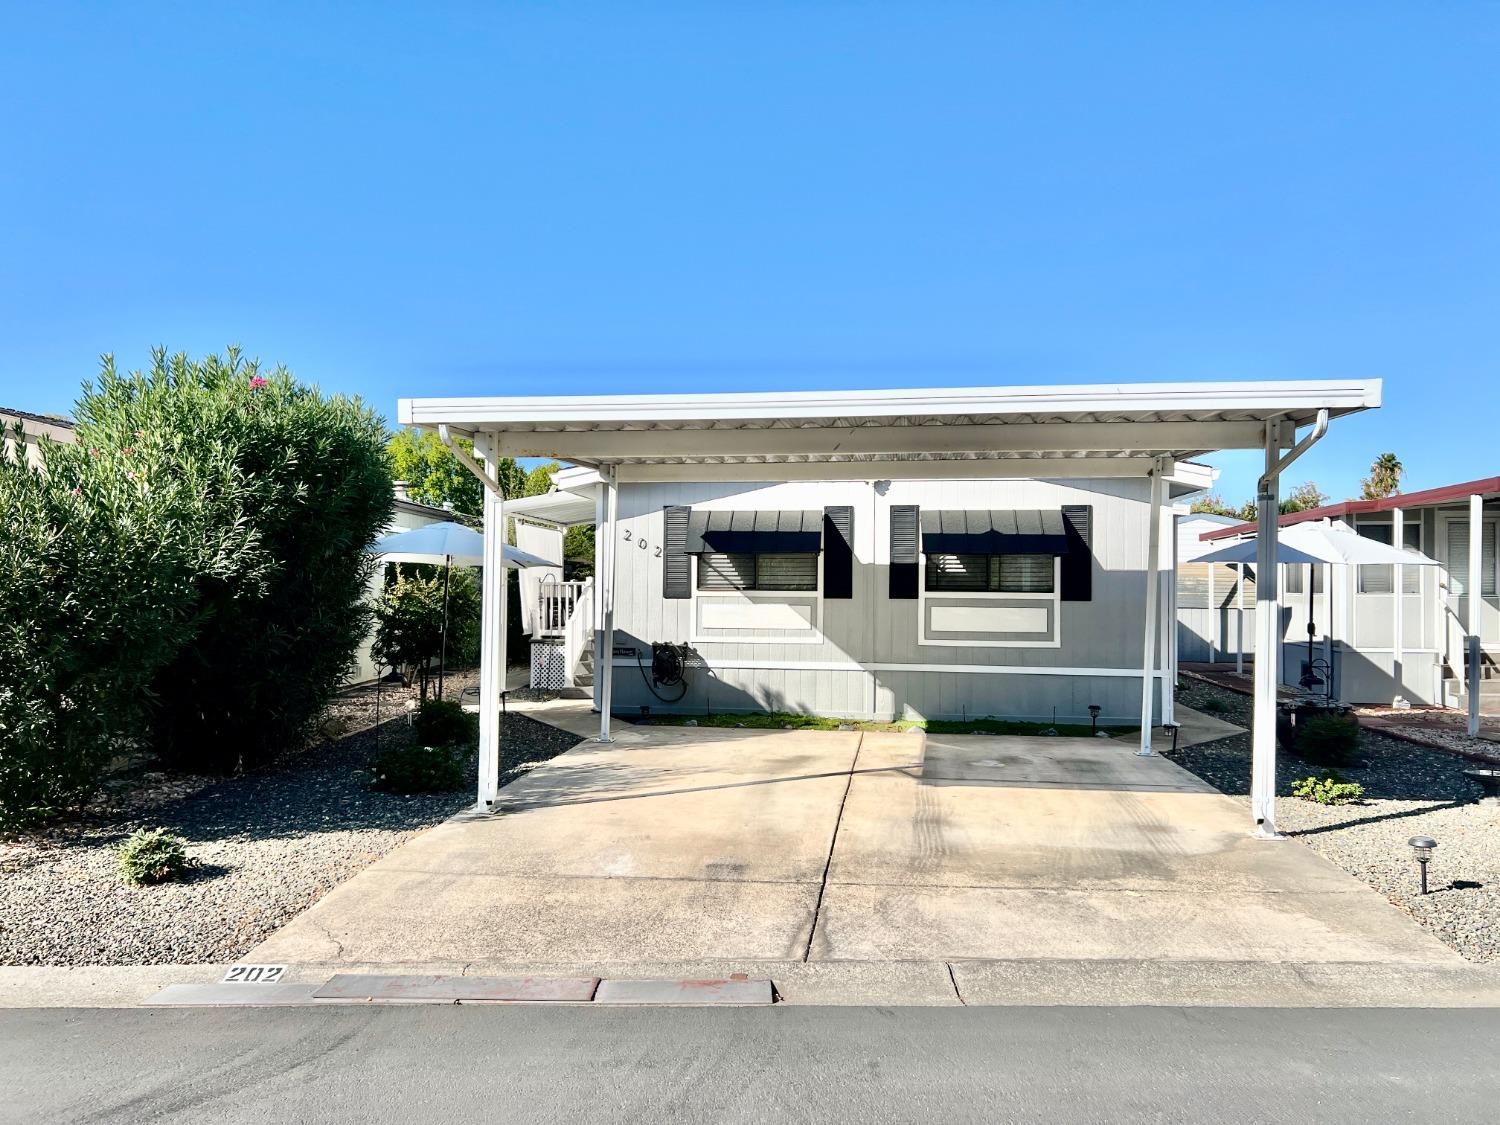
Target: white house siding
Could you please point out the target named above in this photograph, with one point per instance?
(867, 662)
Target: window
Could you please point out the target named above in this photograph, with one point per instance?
(1377, 579)
(757, 572)
(1005, 574)
(1458, 557)
(1296, 579)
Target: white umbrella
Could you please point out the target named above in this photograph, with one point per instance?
(1322, 542)
(447, 542)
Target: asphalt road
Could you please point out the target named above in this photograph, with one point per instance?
(473, 1063)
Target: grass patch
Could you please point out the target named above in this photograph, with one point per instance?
(781, 720)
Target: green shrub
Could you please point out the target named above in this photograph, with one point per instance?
(1330, 789)
(420, 769)
(409, 619)
(1213, 705)
(1328, 740)
(287, 488)
(98, 568)
(442, 722)
(153, 856)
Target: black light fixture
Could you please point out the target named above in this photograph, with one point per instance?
(1094, 710)
(1421, 847)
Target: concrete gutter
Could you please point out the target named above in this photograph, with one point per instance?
(1028, 982)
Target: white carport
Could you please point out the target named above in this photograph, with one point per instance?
(1113, 430)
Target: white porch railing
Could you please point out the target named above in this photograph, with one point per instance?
(578, 631)
(556, 604)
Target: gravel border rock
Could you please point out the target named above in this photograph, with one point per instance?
(1410, 790)
(267, 844)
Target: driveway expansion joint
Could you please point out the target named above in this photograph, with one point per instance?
(833, 840)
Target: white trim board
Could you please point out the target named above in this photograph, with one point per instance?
(877, 666)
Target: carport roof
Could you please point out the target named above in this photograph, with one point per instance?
(1132, 423)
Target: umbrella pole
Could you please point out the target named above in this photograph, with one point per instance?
(443, 648)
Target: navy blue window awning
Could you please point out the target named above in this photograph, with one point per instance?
(759, 533)
(1013, 532)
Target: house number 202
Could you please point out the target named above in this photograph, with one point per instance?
(641, 543)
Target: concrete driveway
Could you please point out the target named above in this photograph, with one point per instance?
(699, 844)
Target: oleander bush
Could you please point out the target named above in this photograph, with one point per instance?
(442, 722)
(189, 577)
(99, 567)
(153, 856)
(293, 486)
(1330, 789)
(420, 769)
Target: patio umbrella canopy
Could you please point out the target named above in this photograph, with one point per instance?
(446, 543)
(1333, 543)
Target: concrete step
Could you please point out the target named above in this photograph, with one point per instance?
(1488, 689)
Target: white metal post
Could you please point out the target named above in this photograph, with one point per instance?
(1328, 573)
(1168, 573)
(1267, 628)
(1213, 617)
(1153, 588)
(491, 642)
(1476, 601)
(1398, 576)
(604, 659)
(1239, 622)
(601, 547)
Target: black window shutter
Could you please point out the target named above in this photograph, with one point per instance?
(838, 552)
(1078, 563)
(676, 563)
(904, 525)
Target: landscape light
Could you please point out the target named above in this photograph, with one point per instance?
(1094, 710)
(1421, 847)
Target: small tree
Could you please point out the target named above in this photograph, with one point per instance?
(434, 476)
(409, 620)
(1385, 478)
(1213, 505)
(1306, 495)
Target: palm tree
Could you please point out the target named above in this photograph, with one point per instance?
(1385, 477)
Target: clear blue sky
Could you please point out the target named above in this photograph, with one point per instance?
(520, 198)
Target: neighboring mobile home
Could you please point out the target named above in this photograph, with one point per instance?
(1400, 635)
(1215, 608)
(28, 429)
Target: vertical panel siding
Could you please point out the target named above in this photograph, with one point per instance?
(870, 628)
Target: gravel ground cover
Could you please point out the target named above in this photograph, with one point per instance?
(267, 844)
(1409, 791)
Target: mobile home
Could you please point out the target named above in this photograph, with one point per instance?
(1405, 635)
